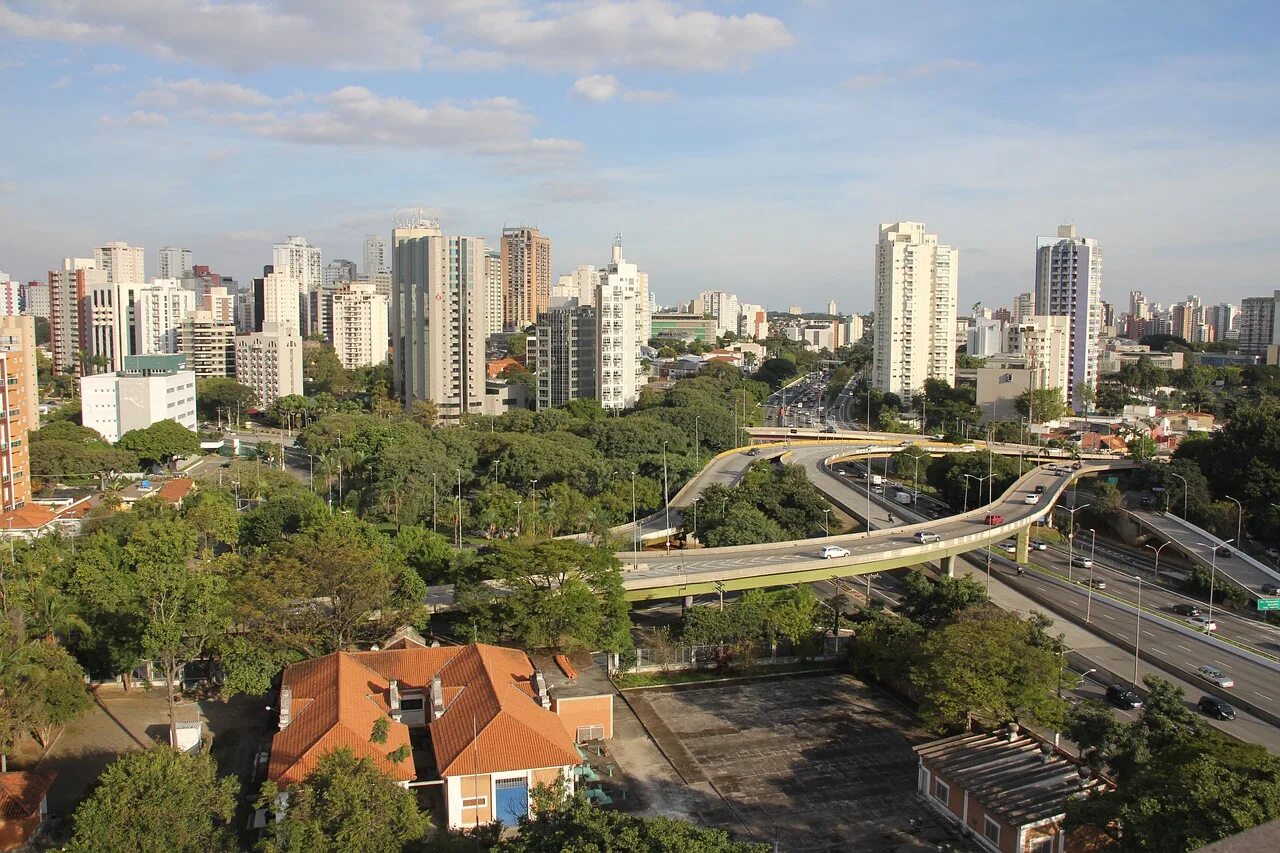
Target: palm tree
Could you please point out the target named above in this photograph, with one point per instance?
(52, 616)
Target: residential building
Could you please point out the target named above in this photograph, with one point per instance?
(338, 272)
(833, 308)
(105, 319)
(68, 288)
(158, 309)
(724, 307)
(36, 301)
(24, 804)
(360, 325)
(682, 327)
(753, 322)
(1045, 344)
(246, 308)
(493, 291)
(175, 262)
(18, 409)
(579, 284)
(916, 284)
(148, 389)
(1222, 319)
(11, 293)
(382, 283)
(795, 310)
(1069, 284)
(376, 259)
(1000, 382)
(219, 302)
(526, 276)
(275, 302)
(297, 261)
(819, 334)
(208, 342)
(438, 321)
(121, 262)
(491, 728)
(985, 338)
(270, 362)
(1008, 790)
(1024, 306)
(1259, 324)
(1138, 306)
(622, 311)
(565, 360)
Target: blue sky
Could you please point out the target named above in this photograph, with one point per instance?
(751, 147)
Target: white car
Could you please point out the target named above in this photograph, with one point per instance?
(1039, 546)
(1214, 676)
(1008, 547)
(1204, 623)
(1032, 498)
(924, 537)
(830, 551)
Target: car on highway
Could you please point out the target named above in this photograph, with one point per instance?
(830, 551)
(1008, 547)
(1082, 562)
(1204, 623)
(755, 451)
(1032, 498)
(1212, 706)
(1224, 551)
(1124, 697)
(968, 448)
(1270, 589)
(1213, 675)
(1098, 583)
(993, 519)
(1186, 610)
(924, 537)
(1037, 545)
(1146, 502)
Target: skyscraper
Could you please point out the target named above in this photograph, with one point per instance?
(275, 302)
(175, 262)
(17, 408)
(121, 262)
(526, 276)
(916, 282)
(438, 319)
(493, 291)
(298, 261)
(622, 327)
(1259, 323)
(1069, 284)
(157, 312)
(208, 342)
(68, 288)
(375, 255)
(360, 317)
(1024, 307)
(564, 354)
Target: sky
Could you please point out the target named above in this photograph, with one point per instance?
(742, 146)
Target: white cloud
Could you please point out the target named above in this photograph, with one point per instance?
(107, 69)
(605, 87)
(914, 72)
(137, 118)
(60, 83)
(199, 94)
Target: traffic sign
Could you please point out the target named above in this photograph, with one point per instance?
(1269, 603)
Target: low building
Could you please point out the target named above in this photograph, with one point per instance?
(501, 396)
(478, 721)
(148, 390)
(24, 804)
(1008, 790)
(682, 327)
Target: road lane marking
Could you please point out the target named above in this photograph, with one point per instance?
(1184, 648)
(1263, 695)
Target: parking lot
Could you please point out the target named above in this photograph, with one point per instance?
(813, 763)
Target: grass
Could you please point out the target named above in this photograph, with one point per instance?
(632, 680)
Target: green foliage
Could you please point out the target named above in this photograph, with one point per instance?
(50, 693)
(776, 372)
(884, 646)
(381, 727)
(757, 616)
(1142, 448)
(281, 516)
(1040, 405)
(249, 666)
(346, 805)
(160, 442)
(157, 801)
(929, 603)
(67, 452)
(946, 474)
(323, 372)
(771, 503)
(220, 392)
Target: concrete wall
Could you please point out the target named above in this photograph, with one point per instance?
(576, 711)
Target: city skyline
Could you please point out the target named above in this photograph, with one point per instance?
(548, 117)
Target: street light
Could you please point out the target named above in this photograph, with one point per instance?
(826, 517)
(533, 509)
(1137, 630)
(1239, 519)
(518, 518)
(635, 529)
(666, 499)
(1163, 545)
(1213, 574)
(1093, 544)
(1184, 491)
(697, 444)
(1071, 542)
(695, 519)
(966, 488)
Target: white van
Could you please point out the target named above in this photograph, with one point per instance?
(1032, 498)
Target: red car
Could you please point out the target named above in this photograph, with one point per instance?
(994, 519)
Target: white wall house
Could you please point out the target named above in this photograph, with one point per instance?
(148, 390)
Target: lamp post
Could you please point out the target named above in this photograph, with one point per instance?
(697, 444)
(967, 477)
(518, 518)
(1213, 574)
(435, 493)
(1163, 545)
(1088, 607)
(826, 518)
(1071, 527)
(635, 529)
(1184, 491)
(666, 500)
(1239, 519)
(695, 519)
(1137, 630)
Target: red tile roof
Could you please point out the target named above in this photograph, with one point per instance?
(28, 517)
(176, 489)
(22, 791)
(491, 720)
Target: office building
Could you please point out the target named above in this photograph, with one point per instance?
(985, 338)
(121, 262)
(622, 305)
(158, 309)
(526, 276)
(360, 319)
(36, 301)
(175, 262)
(1259, 323)
(724, 307)
(19, 405)
(147, 390)
(682, 327)
(375, 255)
(298, 262)
(438, 318)
(564, 354)
(493, 291)
(68, 287)
(270, 362)
(916, 283)
(208, 342)
(1045, 345)
(1069, 284)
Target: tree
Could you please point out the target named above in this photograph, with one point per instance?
(554, 594)
(1094, 728)
(1142, 448)
(517, 344)
(1086, 394)
(986, 665)
(156, 801)
(1040, 405)
(220, 397)
(160, 442)
(322, 371)
(346, 805)
(929, 603)
(775, 372)
(50, 692)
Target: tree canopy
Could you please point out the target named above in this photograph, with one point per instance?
(160, 442)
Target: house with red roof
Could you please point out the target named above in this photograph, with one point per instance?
(478, 721)
(24, 803)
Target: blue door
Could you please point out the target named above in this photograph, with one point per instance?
(513, 800)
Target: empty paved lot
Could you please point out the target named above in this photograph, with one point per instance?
(818, 763)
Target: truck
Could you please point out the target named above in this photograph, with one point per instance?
(903, 498)
(877, 480)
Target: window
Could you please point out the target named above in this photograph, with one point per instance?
(586, 733)
(990, 830)
(474, 802)
(941, 791)
(1041, 845)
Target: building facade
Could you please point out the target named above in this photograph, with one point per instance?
(360, 325)
(297, 261)
(18, 415)
(724, 307)
(376, 259)
(493, 291)
(68, 287)
(564, 354)
(158, 310)
(1069, 284)
(209, 343)
(526, 276)
(916, 284)
(147, 390)
(622, 311)
(270, 362)
(753, 322)
(985, 338)
(175, 262)
(1258, 323)
(1045, 344)
(121, 262)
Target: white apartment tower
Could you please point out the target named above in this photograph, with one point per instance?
(438, 319)
(1069, 284)
(298, 261)
(375, 255)
(209, 343)
(1045, 342)
(360, 316)
(158, 310)
(121, 262)
(270, 362)
(725, 307)
(1024, 308)
(175, 262)
(68, 287)
(278, 304)
(622, 312)
(915, 328)
(493, 291)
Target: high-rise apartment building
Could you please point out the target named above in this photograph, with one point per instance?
(438, 321)
(105, 319)
(493, 291)
(1138, 305)
(121, 262)
(275, 302)
(208, 342)
(1069, 284)
(580, 284)
(1024, 307)
(299, 262)
(1259, 323)
(11, 293)
(175, 262)
(36, 300)
(338, 272)
(360, 321)
(220, 302)
(724, 307)
(1045, 343)
(564, 354)
(916, 283)
(1222, 319)
(68, 288)
(158, 310)
(985, 338)
(622, 300)
(526, 276)
(146, 390)
(376, 259)
(270, 362)
(753, 322)
(17, 408)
